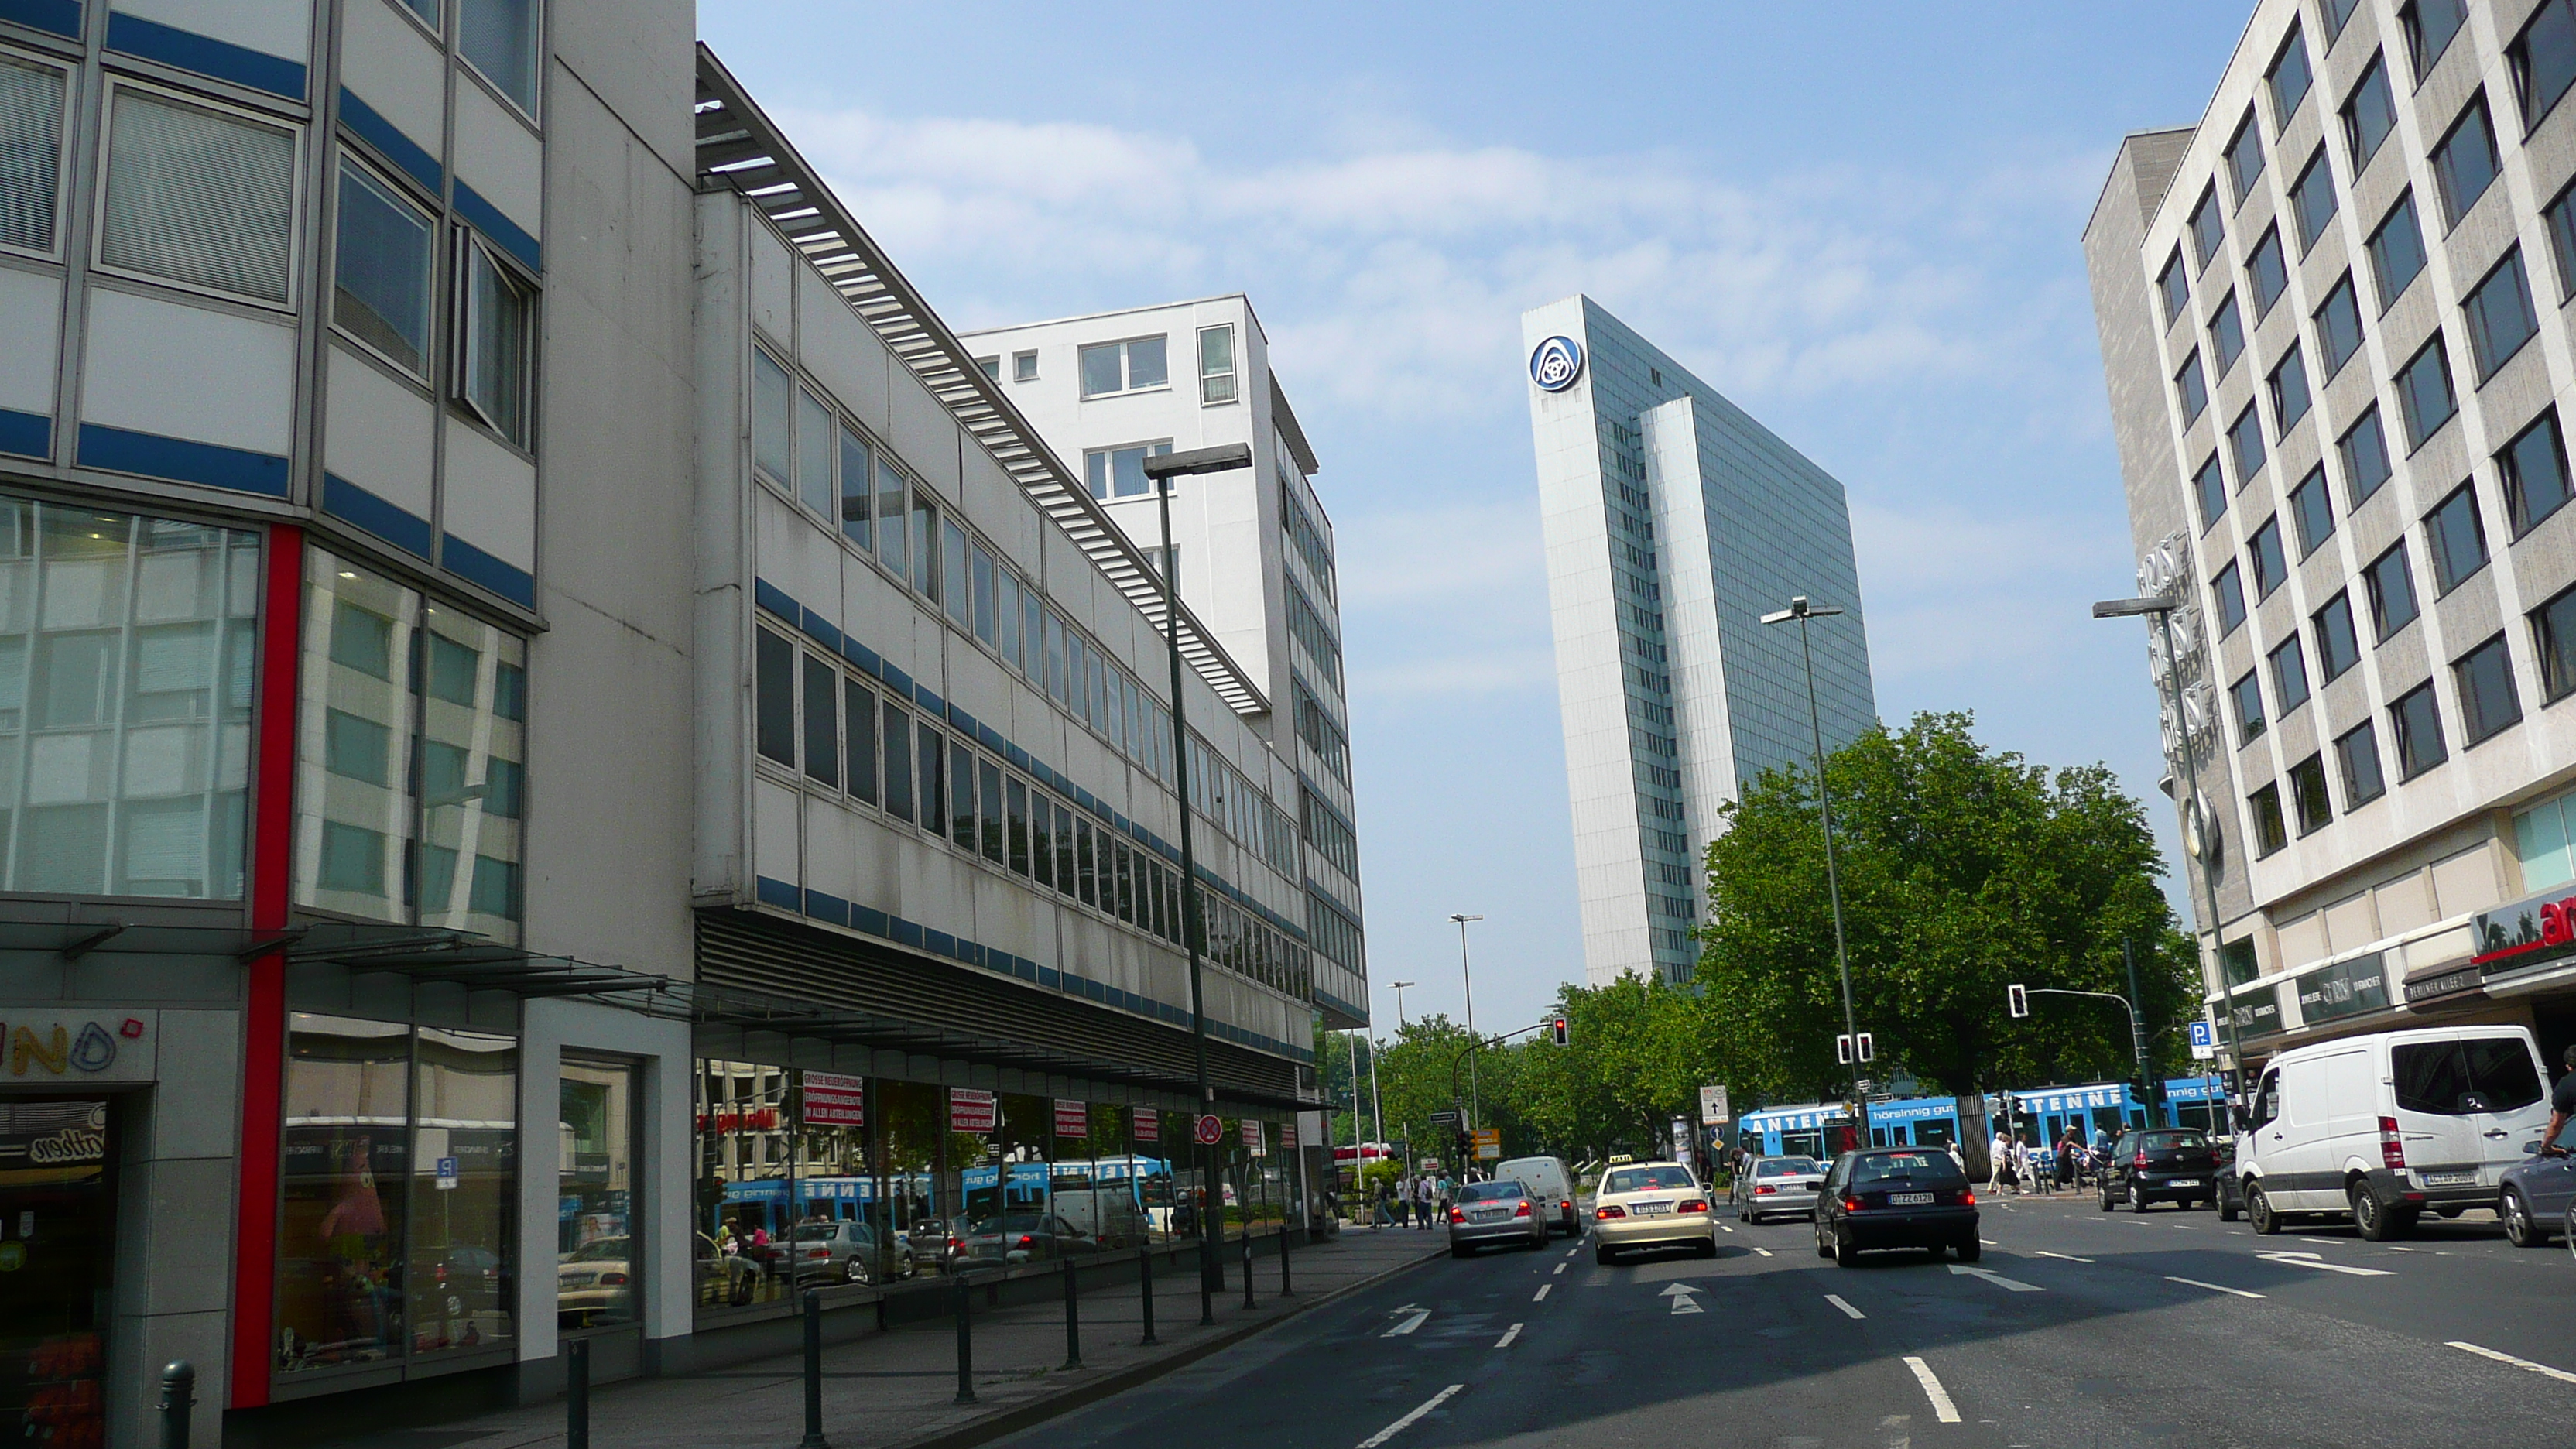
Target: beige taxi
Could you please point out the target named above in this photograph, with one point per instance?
(1651, 1205)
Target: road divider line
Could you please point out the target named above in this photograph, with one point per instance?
(1989, 1242)
(1941, 1406)
(2068, 1257)
(1765, 1252)
(1560, 1268)
(1508, 1335)
(1577, 1248)
(1722, 1225)
(1407, 1422)
(2329, 1242)
(1542, 1292)
(1836, 1299)
(2212, 1287)
(2562, 1375)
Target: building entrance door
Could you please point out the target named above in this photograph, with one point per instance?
(57, 1245)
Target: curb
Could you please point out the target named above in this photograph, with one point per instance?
(985, 1428)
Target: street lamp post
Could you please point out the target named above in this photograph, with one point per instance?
(1475, 1103)
(2193, 815)
(1163, 470)
(1399, 1003)
(1800, 611)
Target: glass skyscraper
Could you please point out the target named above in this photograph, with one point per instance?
(1674, 521)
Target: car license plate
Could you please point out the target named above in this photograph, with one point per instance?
(1909, 1199)
(2449, 1179)
(2184, 1182)
(1489, 1216)
(1651, 1209)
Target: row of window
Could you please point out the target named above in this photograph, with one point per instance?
(1336, 937)
(1136, 364)
(1321, 732)
(1307, 626)
(837, 730)
(1304, 535)
(1331, 836)
(1221, 793)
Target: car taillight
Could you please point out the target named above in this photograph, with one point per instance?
(1523, 1210)
(2141, 1159)
(1851, 1204)
(2392, 1147)
(1567, 1205)
(608, 1278)
(1761, 1188)
(817, 1255)
(1969, 1197)
(1026, 1241)
(1611, 1211)
(1695, 1205)
(1457, 1215)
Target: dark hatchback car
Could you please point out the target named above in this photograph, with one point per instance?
(2161, 1164)
(1896, 1197)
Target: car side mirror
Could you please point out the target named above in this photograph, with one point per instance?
(2531, 1149)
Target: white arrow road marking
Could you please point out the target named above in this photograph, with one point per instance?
(1998, 1279)
(1836, 1299)
(1765, 1252)
(1542, 1292)
(2212, 1287)
(2562, 1375)
(1508, 1335)
(2068, 1257)
(1677, 1290)
(1687, 1305)
(1407, 1326)
(1941, 1406)
(1400, 1425)
(2315, 1260)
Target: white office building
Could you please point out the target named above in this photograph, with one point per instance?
(1674, 521)
(1253, 548)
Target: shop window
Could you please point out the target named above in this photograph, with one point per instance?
(127, 659)
(598, 1225)
(57, 1269)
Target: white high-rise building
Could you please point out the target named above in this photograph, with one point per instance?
(1674, 521)
(1254, 548)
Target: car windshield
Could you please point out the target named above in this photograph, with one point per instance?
(1648, 1179)
(1918, 1168)
(1786, 1167)
(1489, 1191)
(604, 1250)
(2190, 1141)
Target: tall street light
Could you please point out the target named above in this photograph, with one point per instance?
(2198, 828)
(1475, 1104)
(1399, 1002)
(1800, 611)
(1163, 470)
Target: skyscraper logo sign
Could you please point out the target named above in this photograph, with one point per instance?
(1556, 364)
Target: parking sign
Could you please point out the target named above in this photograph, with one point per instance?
(2204, 1041)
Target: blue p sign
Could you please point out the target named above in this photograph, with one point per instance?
(2201, 1035)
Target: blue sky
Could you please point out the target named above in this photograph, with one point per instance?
(1860, 222)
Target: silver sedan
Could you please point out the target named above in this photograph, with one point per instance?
(1779, 1187)
(1499, 1213)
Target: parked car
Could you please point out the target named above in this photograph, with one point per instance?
(1025, 1238)
(2160, 1164)
(2386, 1127)
(2539, 1195)
(1501, 1213)
(594, 1284)
(1651, 1205)
(847, 1250)
(1777, 1186)
(1896, 1197)
(1550, 1185)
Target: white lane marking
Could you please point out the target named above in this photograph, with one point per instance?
(2069, 1257)
(1542, 1292)
(1560, 1268)
(1836, 1299)
(1577, 1248)
(1408, 1325)
(1722, 1225)
(1400, 1425)
(2329, 1242)
(2212, 1287)
(1998, 1279)
(1765, 1252)
(1508, 1335)
(2562, 1375)
(2313, 1260)
(2392, 1247)
(1989, 1242)
(1940, 1397)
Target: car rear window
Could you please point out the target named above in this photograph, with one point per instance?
(1489, 1191)
(1649, 1179)
(2457, 1078)
(1924, 1168)
(1786, 1167)
(815, 1232)
(2187, 1140)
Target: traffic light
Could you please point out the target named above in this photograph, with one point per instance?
(1868, 1050)
(2018, 999)
(1842, 1049)
(1466, 1145)
(1560, 1031)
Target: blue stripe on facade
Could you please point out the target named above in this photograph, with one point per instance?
(475, 566)
(821, 628)
(922, 696)
(958, 716)
(370, 126)
(28, 435)
(859, 654)
(869, 919)
(938, 943)
(1049, 976)
(827, 908)
(122, 450)
(906, 933)
(204, 54)
(896, 679)
(62, 17)
(773, 598)
(391, 522)
(777, 893)
(505, 233)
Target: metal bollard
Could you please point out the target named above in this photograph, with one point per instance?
(178, 1396)
(1247, 1265)
(1284, 1290)
(1145, 1276)
(965, 1344)
(814, 1371)
(577, 1394)
(1072, 1320)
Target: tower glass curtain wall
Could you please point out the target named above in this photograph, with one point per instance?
(1674, 521)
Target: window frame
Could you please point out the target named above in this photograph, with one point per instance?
(2206, 251)
(2271, 563)
(66, 115)
(2254, 272)
(2410, 23)
(538, 16)
(2247, 424)
(2184, 393)
(351, 159)
(1232, 375)
(2285, 417)
(297, 195)
(2455, 210)
(2240, 180)
(2271, 832)
(2317, 163)
(2475, 728)
(2477, 313)
(2405, 202)
(2300, 776)
(2288, 663)
(2350, 113)
(2343, 745)
(2509, 470)
(2351, 295)
(2228, 586)
(2201, 479)
(2373, 589)
(2445, 581)
(2250, 725)
(2173, 288)
(2224, 356)
(2408, 766)
(470, 243)
(1126, 374)
(2417, 435)
(2340, 606)
(2312, 485)
(2295, 41)
(2517, 54)
(2344, 452)
(2556, 653)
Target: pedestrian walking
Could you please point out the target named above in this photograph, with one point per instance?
(1999, 1162)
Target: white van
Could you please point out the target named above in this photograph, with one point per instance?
(1546, 1179)
(2384, 1128)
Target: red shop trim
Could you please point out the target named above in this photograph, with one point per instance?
(264, 1044)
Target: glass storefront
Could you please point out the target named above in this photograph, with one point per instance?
(57, 1248)
(399, 1170)
(128, 647)
(597, 1223)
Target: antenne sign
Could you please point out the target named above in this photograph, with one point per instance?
(76, 1048)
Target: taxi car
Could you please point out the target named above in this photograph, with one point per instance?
(1651, 1205)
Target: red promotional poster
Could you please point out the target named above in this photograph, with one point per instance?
(1252, 1134)
(1072, 1119)
(833, 1099)
(971, 1111)
(1148, 1125)
(1287, 1135)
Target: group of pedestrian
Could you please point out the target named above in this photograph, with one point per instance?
(2025, 1166)
(1420, 1199)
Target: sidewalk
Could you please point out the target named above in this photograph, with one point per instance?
(897, 1387)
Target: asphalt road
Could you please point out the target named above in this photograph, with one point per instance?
(2077, 1328)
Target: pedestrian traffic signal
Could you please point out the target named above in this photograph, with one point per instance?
(1560, 1031)
(1842, 1049)
(1868, 1050)
(2018, 999)
(1466, 1146)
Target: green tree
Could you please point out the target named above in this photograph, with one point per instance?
(1963, 870)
